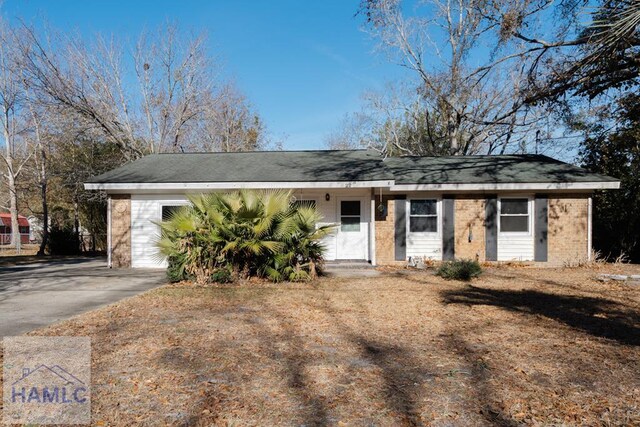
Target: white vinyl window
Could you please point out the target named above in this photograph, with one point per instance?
(423, 216)
(514, 215)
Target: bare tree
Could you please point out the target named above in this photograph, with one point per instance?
(473, 92)
(12, 96)
(41, 151)
(176, 81)
(606, 58)
(353, 132)
(230, 124)
(91, 105)
(176, 93)
(78, 78)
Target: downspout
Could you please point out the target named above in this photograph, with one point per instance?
(109, 231)
(590, 229)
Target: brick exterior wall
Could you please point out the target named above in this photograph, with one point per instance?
(120, 230)
(469, 217)
(568, 231)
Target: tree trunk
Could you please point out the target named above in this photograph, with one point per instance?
(76, 221)
(452, 130)
(13, 209)
(42, 169)
(11, 183)
(45, 217)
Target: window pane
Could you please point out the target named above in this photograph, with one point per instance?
(514, 206)
(350, 223)
(423, 207)
(421, 224)
(350, 207)
(167, 212)
(514, 223)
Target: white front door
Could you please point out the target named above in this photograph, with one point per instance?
(353, 232)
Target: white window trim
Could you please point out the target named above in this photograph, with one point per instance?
(530, 207)
(433, 234)
(361, 216)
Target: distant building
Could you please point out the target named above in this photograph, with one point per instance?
(5, 229)
(35, 229)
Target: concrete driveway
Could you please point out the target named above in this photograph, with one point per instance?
(37, 295)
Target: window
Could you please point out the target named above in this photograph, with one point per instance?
(423, 216)
(23, 229)
(350, 215)
(168, 211)
(514, 215)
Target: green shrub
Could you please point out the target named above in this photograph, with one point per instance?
(459, 270)
(244, 233)
(175, 269)
(222, 275)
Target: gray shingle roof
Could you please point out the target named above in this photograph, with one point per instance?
(256, 166)
(529, 168)
(344, 165)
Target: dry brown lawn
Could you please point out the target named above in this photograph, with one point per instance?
(518, 346)
(27, 251)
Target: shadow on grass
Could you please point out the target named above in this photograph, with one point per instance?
(479, 377)
(400, 380)
(596, 316)
(285, 347)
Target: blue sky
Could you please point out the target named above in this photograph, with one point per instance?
(302, 64)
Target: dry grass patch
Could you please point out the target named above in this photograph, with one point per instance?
(517, 346)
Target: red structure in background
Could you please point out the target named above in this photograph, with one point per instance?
(5, 229)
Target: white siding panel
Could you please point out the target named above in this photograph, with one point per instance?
(515, 248)
(427, 245)
(422, 246)
(144, 232)
(146, 210)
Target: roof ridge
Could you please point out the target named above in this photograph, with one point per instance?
(362, 150)
(466, 156)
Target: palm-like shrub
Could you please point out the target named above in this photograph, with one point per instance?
(242, 234)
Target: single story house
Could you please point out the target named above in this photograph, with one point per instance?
(490, 208)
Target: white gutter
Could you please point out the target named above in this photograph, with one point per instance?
(195, 186)
(390, 184)
(538, 186)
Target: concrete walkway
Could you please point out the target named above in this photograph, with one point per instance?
(37, 295)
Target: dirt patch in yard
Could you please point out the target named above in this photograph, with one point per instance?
(517, 346)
